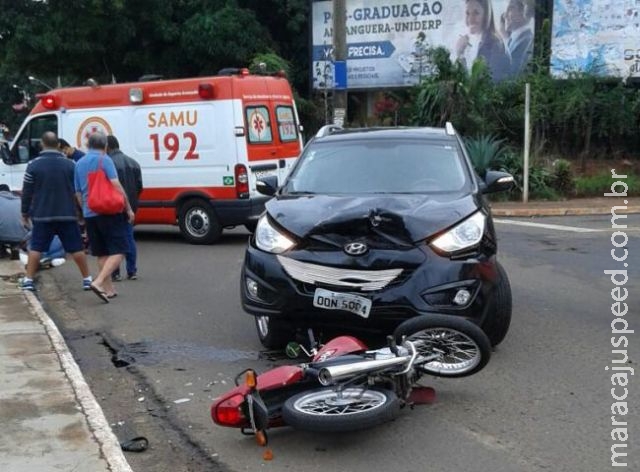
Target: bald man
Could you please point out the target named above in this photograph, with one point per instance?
(49, 206)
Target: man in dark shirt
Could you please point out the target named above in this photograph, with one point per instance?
(71, 152)
(49, 206)
(130, 177)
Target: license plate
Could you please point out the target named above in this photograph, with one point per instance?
(261, 174)
(328, 300)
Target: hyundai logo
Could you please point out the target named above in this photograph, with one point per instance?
(356, 249)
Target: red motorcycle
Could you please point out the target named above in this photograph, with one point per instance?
(347, 387)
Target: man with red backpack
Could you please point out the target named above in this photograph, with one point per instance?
(107, 232)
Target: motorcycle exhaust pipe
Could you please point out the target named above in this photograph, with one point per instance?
(330, 375)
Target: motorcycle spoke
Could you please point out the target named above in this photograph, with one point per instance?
(331, 403)
(457, 352)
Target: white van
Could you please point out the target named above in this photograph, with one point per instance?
(201, 143)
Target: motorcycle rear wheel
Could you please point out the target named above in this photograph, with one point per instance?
(327, 410)
(463, 347)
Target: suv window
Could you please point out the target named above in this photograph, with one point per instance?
(27, 145)
(379, 166)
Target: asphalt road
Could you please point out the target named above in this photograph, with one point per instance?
(542, 404)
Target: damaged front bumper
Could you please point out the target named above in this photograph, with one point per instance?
(284, 287)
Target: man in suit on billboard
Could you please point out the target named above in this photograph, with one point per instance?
(518, 33)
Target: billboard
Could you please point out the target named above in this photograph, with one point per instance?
(596, 36)
(387, 40)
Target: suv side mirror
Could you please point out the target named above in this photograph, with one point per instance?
(495, 181)
(267, 185)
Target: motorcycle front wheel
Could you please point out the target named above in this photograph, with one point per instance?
(330, 410)
(461, 347)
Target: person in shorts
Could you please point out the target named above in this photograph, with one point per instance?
(108, 234)
(50, 208)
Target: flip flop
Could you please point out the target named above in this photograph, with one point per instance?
(113, 295)
(101, 294)
(139, 444)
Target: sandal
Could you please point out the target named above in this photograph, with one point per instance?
(100, 293)
(138, 444)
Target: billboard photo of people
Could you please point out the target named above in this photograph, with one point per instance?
(388, 41)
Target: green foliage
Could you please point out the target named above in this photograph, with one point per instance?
(485, 151)
(582, 115)
(68, 41)
(77, 39)
(562, 177)
(598, 185)
(227, 37)
(540, 179)
(452, 94)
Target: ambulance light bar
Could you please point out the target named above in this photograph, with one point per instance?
(205, 90)
(136, 95)
(48, 101)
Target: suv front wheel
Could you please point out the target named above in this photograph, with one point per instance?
(273, 333)
(496, 325)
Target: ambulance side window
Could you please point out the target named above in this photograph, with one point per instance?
(286, 124)
(28, 142)
(258, 125)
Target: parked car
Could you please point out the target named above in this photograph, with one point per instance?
(374, 226)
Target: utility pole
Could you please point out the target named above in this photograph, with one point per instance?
(340, 57)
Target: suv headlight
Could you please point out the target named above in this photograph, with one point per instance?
(462, 236)
(270, 239)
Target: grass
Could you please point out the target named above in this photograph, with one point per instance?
(597, 185)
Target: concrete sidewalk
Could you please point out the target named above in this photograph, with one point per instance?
(573, 207)
(50, 419)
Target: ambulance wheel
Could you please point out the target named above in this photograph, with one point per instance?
(198, 222)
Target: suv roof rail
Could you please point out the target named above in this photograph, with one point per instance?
(327, 130)
(448, 126)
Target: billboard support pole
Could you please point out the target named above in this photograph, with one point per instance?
(340, 50)
(527, 142)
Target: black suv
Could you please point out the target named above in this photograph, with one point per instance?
(374, 226)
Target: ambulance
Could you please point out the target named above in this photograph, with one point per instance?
(201, 143)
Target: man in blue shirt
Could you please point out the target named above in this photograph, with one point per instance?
(107, 233)
(48, 201)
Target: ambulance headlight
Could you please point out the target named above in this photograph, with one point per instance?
(463, 236)
(269, 239)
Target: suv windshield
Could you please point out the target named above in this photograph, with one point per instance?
(378, 166)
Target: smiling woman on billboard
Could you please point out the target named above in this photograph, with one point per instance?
(482, 40)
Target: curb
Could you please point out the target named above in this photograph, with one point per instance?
(106, 439)
(529, 212)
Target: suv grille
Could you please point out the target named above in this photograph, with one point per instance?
(365, 280)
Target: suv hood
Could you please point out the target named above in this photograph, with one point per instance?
(406, 218)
